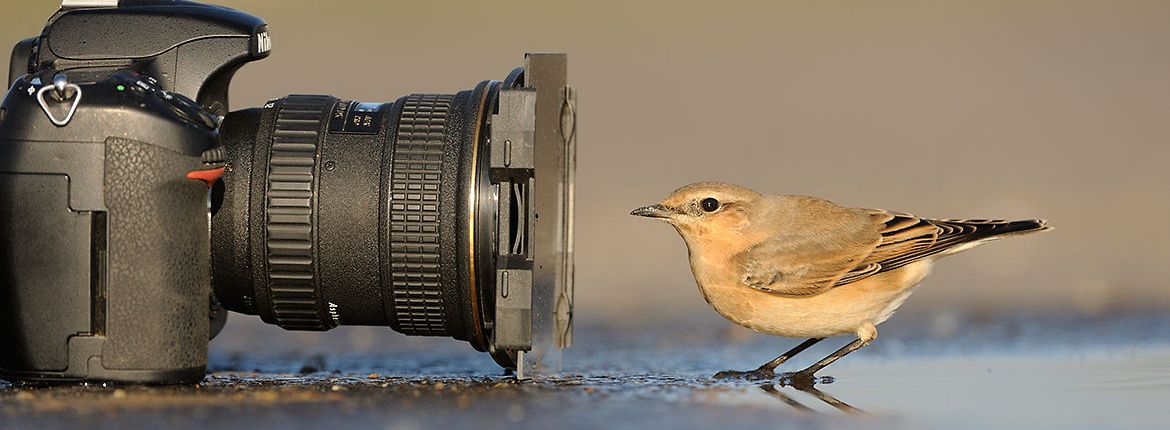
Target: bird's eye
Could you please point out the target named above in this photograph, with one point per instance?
(709, 204)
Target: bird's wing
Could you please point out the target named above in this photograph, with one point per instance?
(785, 265)
(907, 239)
(904, 239)
(812, 257)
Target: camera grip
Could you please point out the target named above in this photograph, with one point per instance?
(157, 285)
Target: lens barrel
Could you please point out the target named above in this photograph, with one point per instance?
(335, 212)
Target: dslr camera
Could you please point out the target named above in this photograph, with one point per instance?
(136, 209)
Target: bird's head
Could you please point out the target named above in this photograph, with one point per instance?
(705, 209)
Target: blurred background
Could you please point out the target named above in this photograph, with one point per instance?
(992, 109)
(1056, 109)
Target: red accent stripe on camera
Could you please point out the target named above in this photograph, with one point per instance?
(209, 176)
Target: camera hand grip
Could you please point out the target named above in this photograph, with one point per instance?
(157, 285)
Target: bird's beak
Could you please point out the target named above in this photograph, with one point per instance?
(653, 211)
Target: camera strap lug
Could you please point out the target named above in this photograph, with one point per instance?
(63, 91)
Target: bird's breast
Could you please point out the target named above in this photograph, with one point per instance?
(838, 311)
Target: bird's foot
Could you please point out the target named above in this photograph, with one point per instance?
(803, 379)
(761, 374)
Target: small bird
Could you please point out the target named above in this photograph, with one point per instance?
(799, 266)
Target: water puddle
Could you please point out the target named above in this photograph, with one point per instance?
(651, 378)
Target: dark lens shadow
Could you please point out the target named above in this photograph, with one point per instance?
(775, 391)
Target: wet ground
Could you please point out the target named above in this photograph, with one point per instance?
(1084, 372)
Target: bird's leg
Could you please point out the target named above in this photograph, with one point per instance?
(807, 377)
(768, 370)
(771, 365)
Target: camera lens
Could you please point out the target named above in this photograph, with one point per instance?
(337, 212)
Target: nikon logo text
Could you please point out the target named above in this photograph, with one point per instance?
(263, 42)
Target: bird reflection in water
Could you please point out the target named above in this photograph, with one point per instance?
(775, 390)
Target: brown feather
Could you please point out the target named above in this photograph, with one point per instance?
(802, 265)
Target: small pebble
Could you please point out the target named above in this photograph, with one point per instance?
(439, 385)
(373, 376)
(119, 394)
(336, 388)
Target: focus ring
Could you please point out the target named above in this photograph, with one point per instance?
(414, 215)
(290, 213)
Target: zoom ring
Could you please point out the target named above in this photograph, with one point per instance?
(292, 274)
(414, 215)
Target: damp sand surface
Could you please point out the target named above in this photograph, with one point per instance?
(1082, 372)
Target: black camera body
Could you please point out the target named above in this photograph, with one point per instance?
(106, 249)
(135, 209)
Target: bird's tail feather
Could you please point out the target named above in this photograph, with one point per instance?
(982, 231)
(1015, 228)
